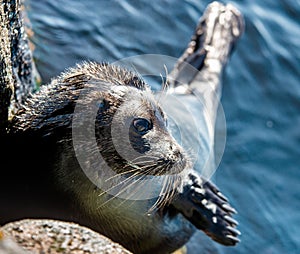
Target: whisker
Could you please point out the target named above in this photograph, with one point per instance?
(159, 199)
(165, 85)
(122, 173)
(145, 156)
(124, 181)
(136, 190)
(136, 71)
(142, 162)
(136, 174)
(113, 196)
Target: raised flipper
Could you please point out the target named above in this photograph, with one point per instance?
(198, 72)
(207, 209)
(216, 34)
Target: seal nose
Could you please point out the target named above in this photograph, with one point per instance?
(172, 157)
(176, 156)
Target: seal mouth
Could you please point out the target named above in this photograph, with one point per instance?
(168, 165)
(171, 165)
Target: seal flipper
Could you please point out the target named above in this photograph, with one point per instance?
(201, 66)
(214, 39)
(207, 209)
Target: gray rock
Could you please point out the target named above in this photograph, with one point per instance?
(50, 236)
(17, 70)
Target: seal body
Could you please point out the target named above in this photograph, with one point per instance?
(88, 165)
(47, 126)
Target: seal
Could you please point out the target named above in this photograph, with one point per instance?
(48, 125)
(54, 185)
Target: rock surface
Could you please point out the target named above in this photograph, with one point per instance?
(50, 236)
(17, 71)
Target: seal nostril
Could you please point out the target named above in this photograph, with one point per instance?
(177, 153)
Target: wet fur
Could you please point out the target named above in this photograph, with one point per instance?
(47, 115)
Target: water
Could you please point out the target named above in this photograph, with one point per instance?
(259, 171)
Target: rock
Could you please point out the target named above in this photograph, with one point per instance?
(50, 236)
(18, 75)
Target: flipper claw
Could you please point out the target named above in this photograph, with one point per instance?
(222, 196)
(234, 239)
(228, 208)
(233, 231)
(231, 220)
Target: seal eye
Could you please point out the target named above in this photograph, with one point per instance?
(142, 125)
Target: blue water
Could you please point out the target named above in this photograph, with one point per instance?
(260, 170)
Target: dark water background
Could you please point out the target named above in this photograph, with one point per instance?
(260, 170)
